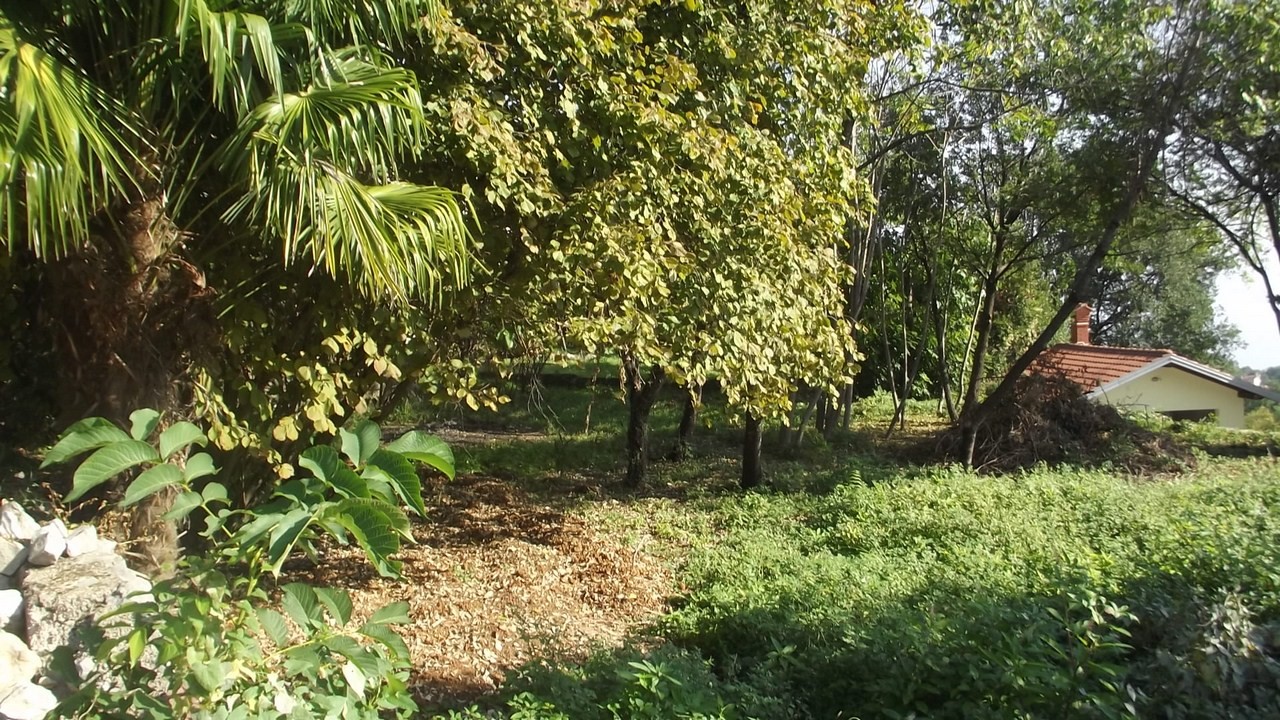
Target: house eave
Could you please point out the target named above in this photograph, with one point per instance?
(1244, 389)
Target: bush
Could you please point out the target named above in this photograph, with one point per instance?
(953, 595)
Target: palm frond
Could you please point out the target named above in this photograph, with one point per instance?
(344, 22)
(398, 241)
(65, 149)
(239, 48)
(366, 115)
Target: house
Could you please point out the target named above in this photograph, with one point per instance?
(1147, 379)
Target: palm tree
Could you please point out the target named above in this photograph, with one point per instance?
(140, 139)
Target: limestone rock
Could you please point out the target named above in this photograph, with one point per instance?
(13, 555)
(84, 540)
(11, 611)
(65, 597)
(15, 523)
(48, 544)
(18, 663)
(27, 701)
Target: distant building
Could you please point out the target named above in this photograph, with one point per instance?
(1146, 379)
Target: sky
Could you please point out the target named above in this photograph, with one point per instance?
(1242, 301)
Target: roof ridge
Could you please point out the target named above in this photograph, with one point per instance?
(1113, 348)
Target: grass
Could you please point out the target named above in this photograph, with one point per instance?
(859, 586)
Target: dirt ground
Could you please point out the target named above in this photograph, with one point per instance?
(496, 580)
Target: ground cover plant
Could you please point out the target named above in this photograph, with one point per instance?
(861, 586)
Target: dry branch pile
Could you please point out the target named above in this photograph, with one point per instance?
(1051, 421)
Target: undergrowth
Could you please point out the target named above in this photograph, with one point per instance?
(941, 593)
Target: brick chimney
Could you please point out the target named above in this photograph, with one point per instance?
(1080, 328)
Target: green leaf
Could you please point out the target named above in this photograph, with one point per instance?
(424, 448)
(302, 606)
(88, 434)
(393, 469)
(107, 462)
(359, 443)
(143, 422)
(397, 613)
(150, 482)
(210, 674)
(284, 535)
(324, 463)
(137, 644)
(338, 603)
(198, 466)
(374, 527)
(214, 492)
(179, 435)
(383, 634)
(275, 626)
(302, 660)
(183, 505)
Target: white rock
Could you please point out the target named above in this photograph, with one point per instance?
(15, 523)
(82, 540)
(18, 663)
(27, 702)
(11, 618)
(48, 544)
(61, 597)
(13, 555)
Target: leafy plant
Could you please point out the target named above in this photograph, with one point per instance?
(355, 496)
(352, 496)
(206, 646)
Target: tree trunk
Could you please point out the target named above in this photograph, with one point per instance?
(751, 472)
(127, 328)
(688, 421)
(642, 392)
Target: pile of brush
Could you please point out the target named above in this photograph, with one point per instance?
(1051, 421)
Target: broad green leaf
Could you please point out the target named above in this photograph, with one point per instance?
(301, 605)
(390, 638)
(210, 674)
(373, 529)
(393, 469)
(137, 645)
(142, 423)
(302, 660)
(214, 492)
(198, 466)
(424, 448)
(355, 678)
(284, 535)
(150, 482)
(397, 613)
(179, 435)
(338, 602)
(88, 434)
(359, 443)
(275, 626)
(107, 462)
(323, 461)
(183, 505)
(254, 530)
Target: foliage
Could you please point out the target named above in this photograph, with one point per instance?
(946, 594)
(208, 644)
(205, 646)
(668, 683)
(355, 496)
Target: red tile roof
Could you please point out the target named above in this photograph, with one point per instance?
(1091, 366)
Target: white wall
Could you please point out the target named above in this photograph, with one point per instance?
(1174, 389)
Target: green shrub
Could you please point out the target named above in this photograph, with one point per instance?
(205, 644)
